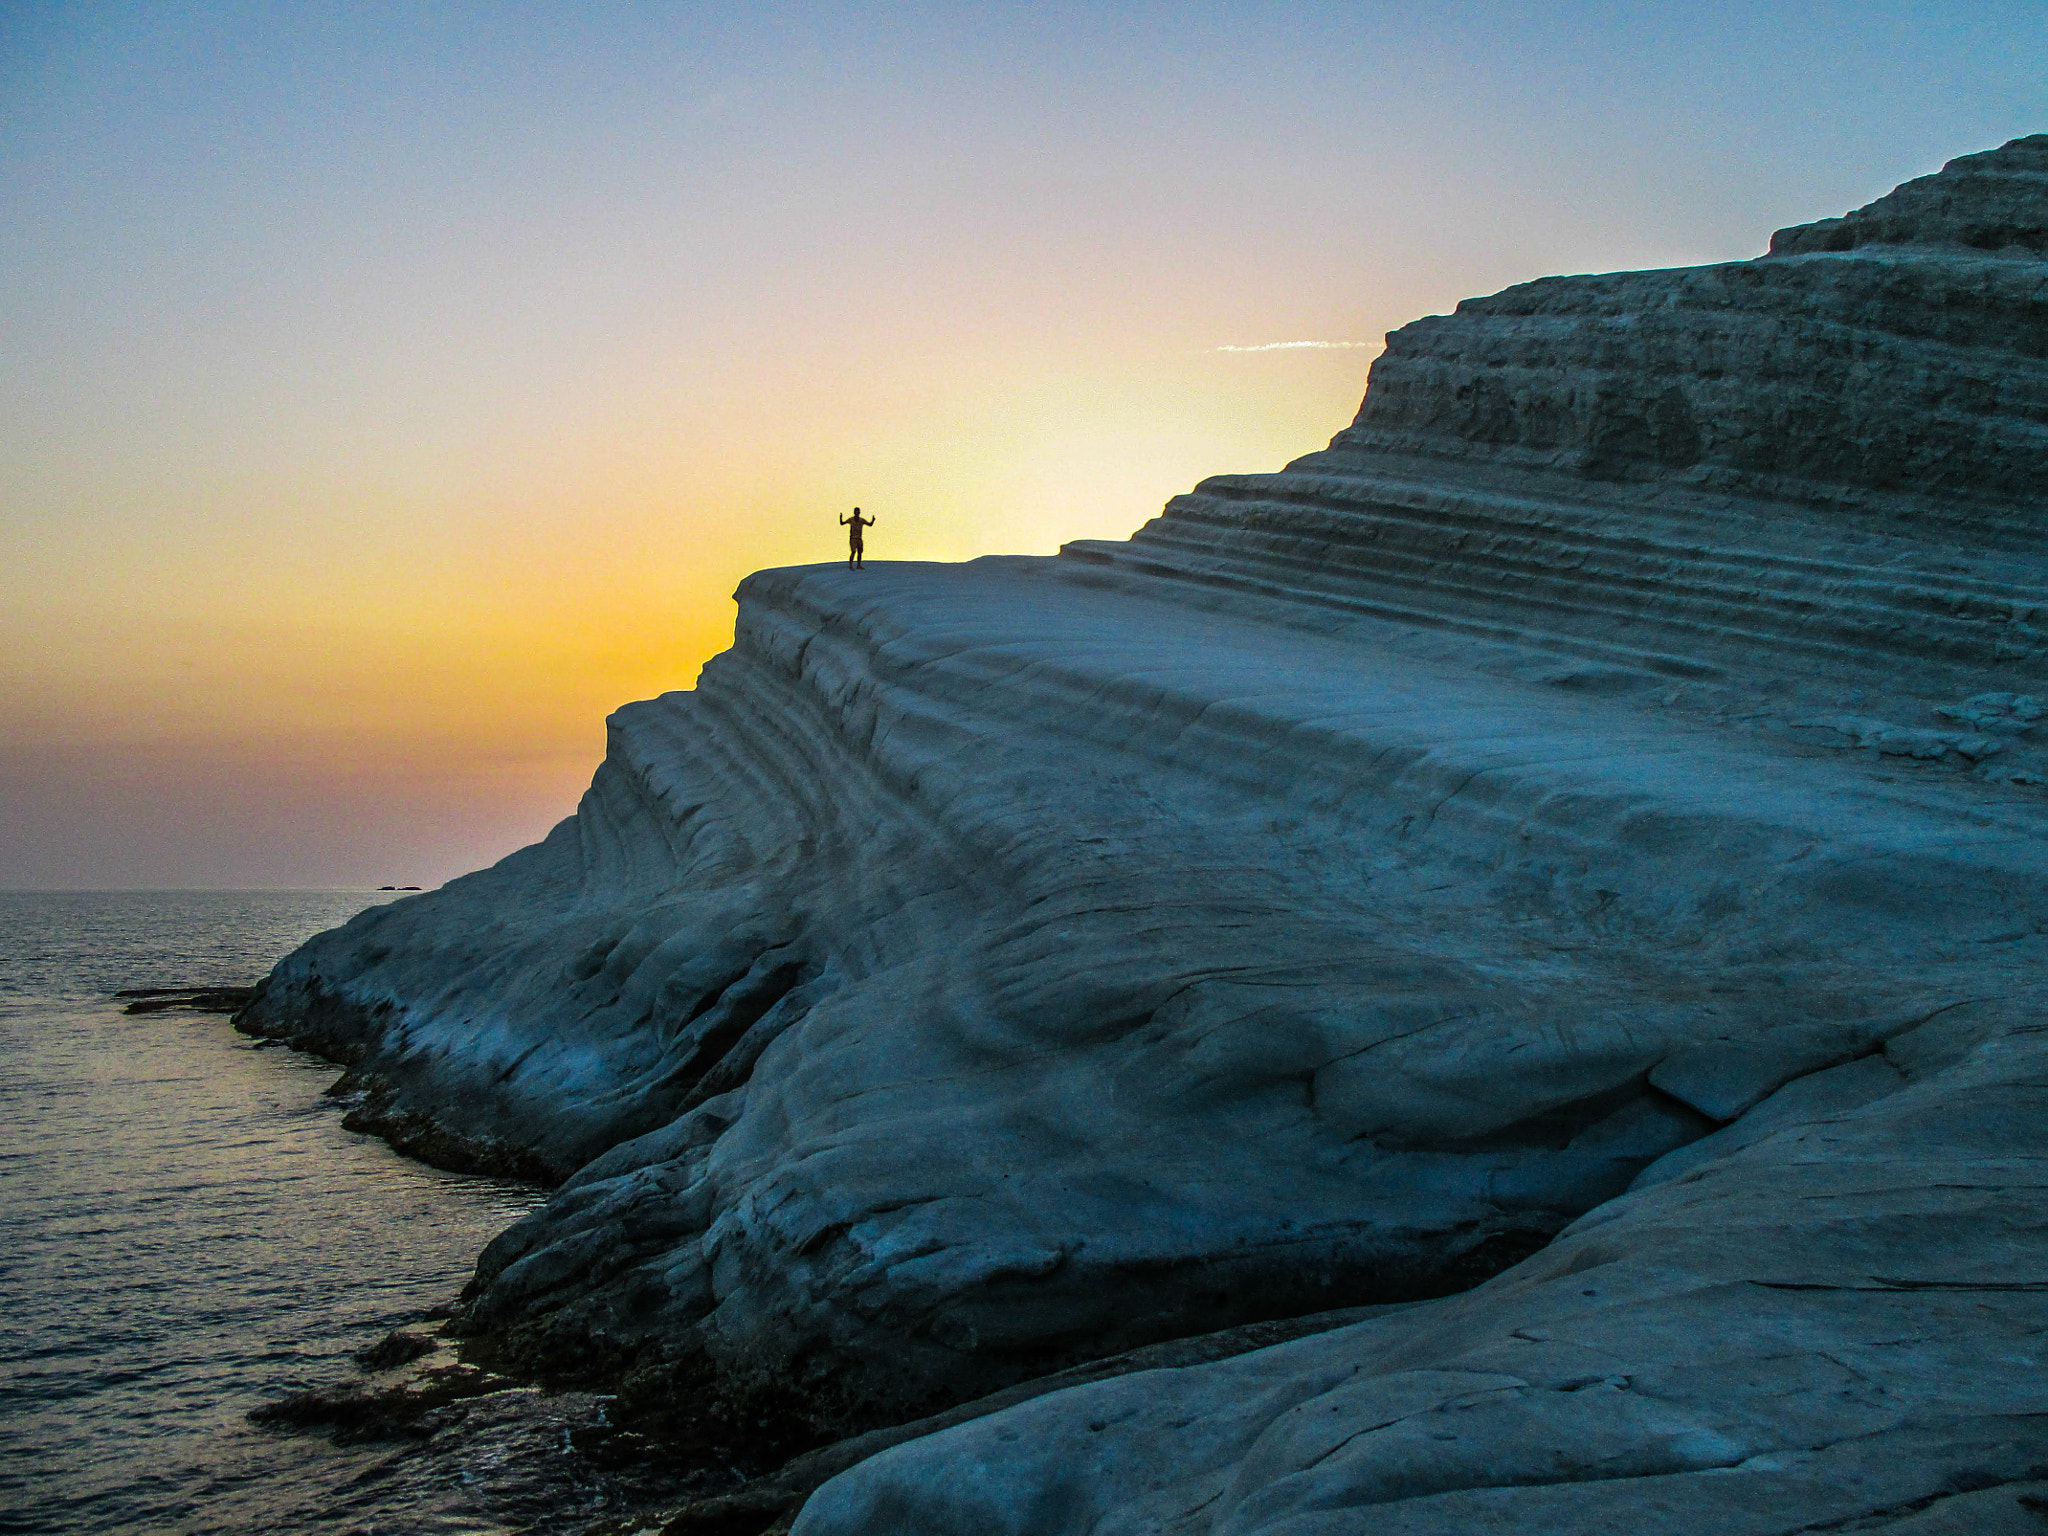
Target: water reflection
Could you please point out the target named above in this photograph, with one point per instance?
(185, 1229)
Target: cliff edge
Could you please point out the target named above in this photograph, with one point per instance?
(1583, 828)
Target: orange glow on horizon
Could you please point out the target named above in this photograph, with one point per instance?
(389, 395)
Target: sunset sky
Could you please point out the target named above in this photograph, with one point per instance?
(387, 392)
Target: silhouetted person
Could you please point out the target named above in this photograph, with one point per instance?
(853, 526)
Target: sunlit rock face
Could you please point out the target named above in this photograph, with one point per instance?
(1622, 736)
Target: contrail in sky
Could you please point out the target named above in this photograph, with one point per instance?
(1292, 346)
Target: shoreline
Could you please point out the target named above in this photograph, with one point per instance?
(626, 1419)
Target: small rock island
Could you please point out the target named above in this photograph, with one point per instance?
(1530, 925)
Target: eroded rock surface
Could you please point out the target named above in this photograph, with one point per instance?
(1836, 1325)
(1622, 736)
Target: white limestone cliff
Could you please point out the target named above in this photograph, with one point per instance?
(1597, 794)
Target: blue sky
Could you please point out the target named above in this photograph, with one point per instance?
(386, 392)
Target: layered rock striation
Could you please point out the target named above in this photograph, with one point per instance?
(1827, 1317)
(1596, 794)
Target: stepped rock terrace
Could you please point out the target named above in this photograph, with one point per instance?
(1584, 828)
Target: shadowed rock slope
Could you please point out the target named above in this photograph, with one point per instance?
(1830, 1319)
(1614, 752)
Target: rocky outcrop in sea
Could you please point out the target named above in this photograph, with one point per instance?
(1564, 868)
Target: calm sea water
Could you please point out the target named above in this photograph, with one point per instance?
(186, 1232)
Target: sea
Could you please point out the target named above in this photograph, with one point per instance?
(187, 1233)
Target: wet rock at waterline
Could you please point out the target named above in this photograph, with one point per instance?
(215, 999)
(1615, 754)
